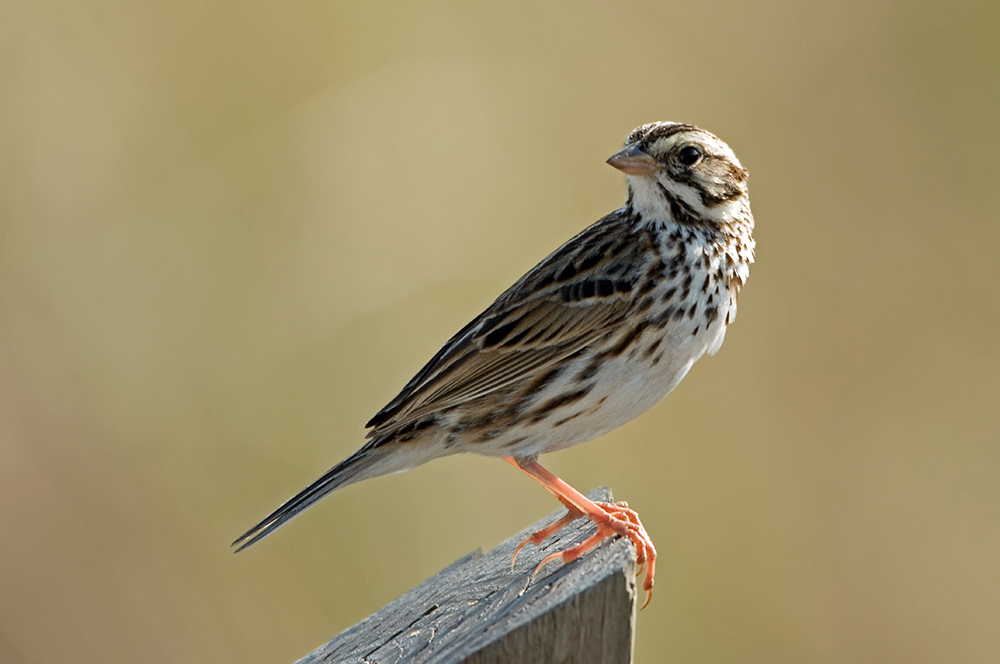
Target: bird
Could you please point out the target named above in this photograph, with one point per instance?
(594, 335)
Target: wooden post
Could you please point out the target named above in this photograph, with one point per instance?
(478, 611)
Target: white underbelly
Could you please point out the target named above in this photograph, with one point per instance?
(623, 389)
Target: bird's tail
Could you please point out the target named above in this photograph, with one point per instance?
(369, 461)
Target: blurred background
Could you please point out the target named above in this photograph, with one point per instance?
(231, 231)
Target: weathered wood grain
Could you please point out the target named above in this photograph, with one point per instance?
(478, 611)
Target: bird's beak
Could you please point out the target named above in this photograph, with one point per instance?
(633, 161)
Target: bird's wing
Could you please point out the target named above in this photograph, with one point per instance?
(574, 297)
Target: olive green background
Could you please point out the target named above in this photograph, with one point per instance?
(231, 231)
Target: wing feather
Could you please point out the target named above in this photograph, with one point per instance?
(571, 299)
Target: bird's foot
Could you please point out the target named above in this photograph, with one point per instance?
(615, 519)
(612, 519)
(540, 536)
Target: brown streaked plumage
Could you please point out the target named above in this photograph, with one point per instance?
(590, 338)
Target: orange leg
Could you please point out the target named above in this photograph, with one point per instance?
(611, 518)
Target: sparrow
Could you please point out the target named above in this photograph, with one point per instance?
(590, 338)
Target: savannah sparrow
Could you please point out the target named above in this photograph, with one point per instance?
(591, 337)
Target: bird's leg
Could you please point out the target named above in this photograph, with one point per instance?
(611, 519)
(536, 538)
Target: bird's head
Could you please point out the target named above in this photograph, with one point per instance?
(682, 171)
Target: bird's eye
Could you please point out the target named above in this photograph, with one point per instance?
(689, 155)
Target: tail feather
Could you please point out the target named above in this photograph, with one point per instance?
(357, 467)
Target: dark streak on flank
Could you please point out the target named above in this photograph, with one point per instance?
(661, 321)
(545, 409)
(516, 441)
(567, 419)
(647, 285)
(588, 371)
(643, 305)
(598, 406)
(545, 380)
(627, 340)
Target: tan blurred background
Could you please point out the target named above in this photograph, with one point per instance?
(231, 231)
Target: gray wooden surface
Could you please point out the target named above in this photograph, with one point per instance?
(478, 611)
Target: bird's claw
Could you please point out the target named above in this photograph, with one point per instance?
(614, 519)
